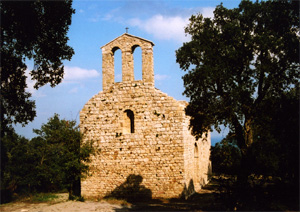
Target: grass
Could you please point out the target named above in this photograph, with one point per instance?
(76, 198)
(117, 201)
(42, 197)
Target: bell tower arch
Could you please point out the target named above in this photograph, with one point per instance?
(127, 43)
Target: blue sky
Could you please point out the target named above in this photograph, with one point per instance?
(94, 24)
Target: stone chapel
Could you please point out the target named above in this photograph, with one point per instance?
(140, 131)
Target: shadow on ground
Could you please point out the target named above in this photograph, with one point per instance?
(272, 197)
(131, 190)
(204, 201)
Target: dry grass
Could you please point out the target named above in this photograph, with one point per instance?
(116, 202)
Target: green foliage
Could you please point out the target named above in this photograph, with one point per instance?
(34, 30)
(238, 60)
(241, 67)
(55, 159)
(272, 160)
(226, 157)
(76, 198)
(14, 172)
(261, 195)
(66, 151)
(275, 150)
(43, 197)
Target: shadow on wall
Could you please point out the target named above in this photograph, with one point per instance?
(188, 191)
(131, 190)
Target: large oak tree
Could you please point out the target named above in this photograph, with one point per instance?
(236, 62)
(35, 30)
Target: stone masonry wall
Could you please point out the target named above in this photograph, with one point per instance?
(127, 44)
(196, 158)
(154, 150)
(141, 132)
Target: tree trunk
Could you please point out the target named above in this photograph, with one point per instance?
(70, 190)
(248, 133)
(246, 140)
(242, 177)
(77, 188)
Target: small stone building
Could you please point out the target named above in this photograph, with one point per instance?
(139, 131)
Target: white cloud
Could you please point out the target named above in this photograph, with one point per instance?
(160, 77)
(73, 90)
(95, 18)
(72, 74)
(111, 15)
(163, 27)
(161, 21)
(77, 73)
(30, 83)
(107, 17)
(207, 12)
(168, 27)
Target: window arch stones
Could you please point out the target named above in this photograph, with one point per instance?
(127, 45)
(128, 122)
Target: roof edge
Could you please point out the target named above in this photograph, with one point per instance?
(130, 36)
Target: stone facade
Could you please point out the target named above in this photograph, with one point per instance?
(140, 131)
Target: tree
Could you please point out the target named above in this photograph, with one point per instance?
(274, 152)
(56, 159)
(225, 157)
(34, 30)
(235, 62)
(277, 131)
(62, 150)
(15, 164)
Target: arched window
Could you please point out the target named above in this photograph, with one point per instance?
(117, 63)
(137, 62)
(196, 151)
(128, 124)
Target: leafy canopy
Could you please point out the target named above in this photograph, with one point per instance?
(56, 159)
(225, 157)
(237, 60)
(61, 144)
(34, 30)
